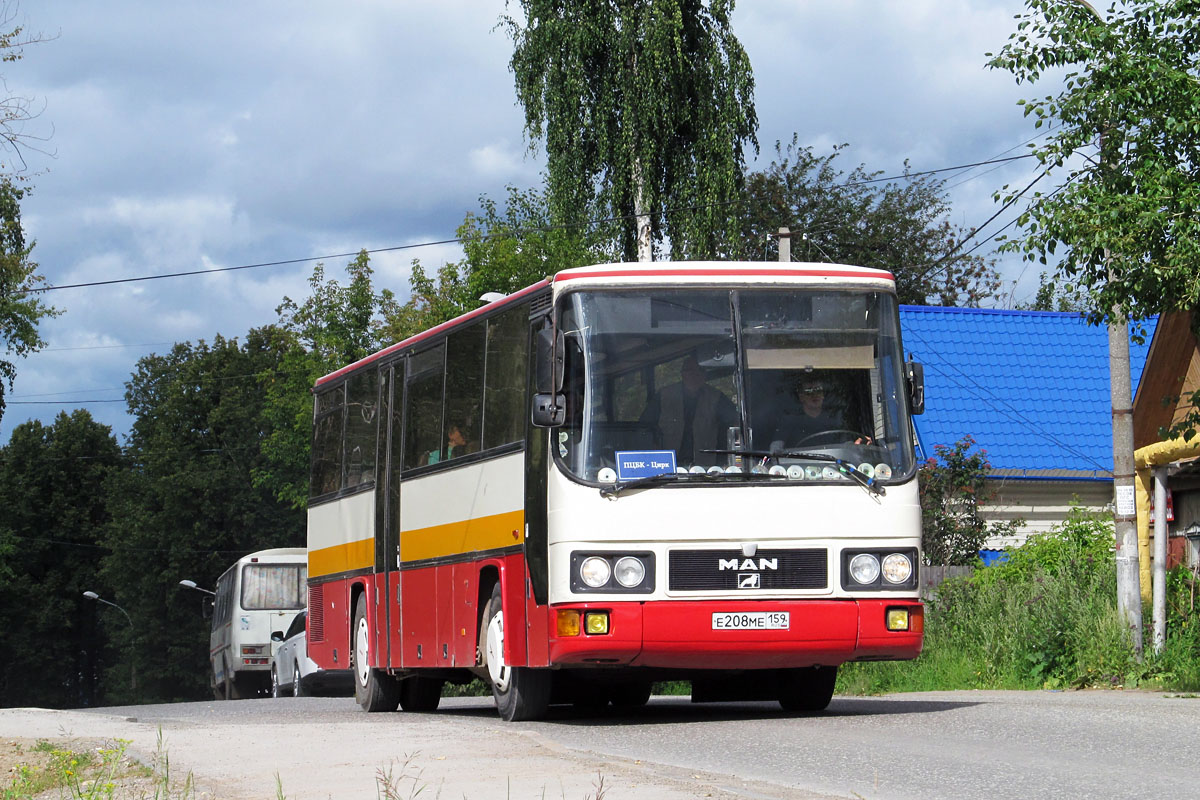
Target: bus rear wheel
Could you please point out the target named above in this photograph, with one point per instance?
(374, 689)
(807, 689)
(521, 693)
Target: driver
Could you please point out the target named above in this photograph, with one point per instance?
(810, 416)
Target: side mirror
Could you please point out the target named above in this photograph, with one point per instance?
(549, 410)
(916, 386)
(276, 636)
(206, 607)
(550, 359)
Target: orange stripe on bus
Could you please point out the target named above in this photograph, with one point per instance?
(341, 558)
(481, 533)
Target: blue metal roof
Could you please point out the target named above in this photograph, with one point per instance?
(1031, 387)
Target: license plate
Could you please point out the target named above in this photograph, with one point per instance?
(751, 620)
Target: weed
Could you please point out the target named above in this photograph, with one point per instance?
(103, 773)
(390, 783)
(1046, 618)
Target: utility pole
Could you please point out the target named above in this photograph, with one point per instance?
(785, 245)
(1129, 594)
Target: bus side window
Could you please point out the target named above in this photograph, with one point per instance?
(326, 476)
(423, 406)
(362, 402)
(464, 391)
(505, 407)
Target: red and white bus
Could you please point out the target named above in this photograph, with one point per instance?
(612, 477)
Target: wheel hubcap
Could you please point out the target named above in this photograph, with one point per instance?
(361, 644)
(296, 682)
(498, 671)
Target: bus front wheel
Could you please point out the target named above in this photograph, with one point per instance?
(808, 689)
(374, 689)
(521, 693)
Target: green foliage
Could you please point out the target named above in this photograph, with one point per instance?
(643, 105)
(1125, 134)
(52, 482)
(188, 509)
(1055, 296)
(1046, 618)
(953, 487)
(21, 307)
(505, 251)
(105, 773)
(847, 218)
(335, 326)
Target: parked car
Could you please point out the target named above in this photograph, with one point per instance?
(294, 673)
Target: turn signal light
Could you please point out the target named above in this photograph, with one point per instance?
(596, 622)
(568, 622)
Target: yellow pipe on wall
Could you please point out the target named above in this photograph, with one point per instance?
(1145, 459)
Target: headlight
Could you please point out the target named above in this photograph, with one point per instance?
(595, 571)
(618, 572)
(630, 572)
(896, 568)
(864, 568)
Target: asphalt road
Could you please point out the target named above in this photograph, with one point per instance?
(930, 745)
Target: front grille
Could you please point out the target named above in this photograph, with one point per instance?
(316, 613)
(729, 570)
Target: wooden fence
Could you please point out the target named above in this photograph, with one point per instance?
(932, 577)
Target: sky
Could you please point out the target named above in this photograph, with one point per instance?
(187, 136)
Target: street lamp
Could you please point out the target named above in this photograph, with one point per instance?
(192, 585)
(132, 660)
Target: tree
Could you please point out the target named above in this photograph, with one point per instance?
(187, 507)
(21, 307)
(504, 251)
(52, 480)
(644, 108)
(1054, 296)
(1126, 127)
(853, 218)
(335, 326)
(953, 489)
(1125, 133)
(16, 111)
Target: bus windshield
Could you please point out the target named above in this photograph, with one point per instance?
(762, 383)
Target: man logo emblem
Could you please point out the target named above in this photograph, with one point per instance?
(749, 580)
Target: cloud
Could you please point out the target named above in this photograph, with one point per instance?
(185, 139)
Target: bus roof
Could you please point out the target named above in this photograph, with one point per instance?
(654, 272)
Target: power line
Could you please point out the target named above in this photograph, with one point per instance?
(459, 240)
(59, 402)
(103, 347)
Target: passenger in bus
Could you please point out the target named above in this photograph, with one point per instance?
(813, 414)
(456, 445)
(691, 416)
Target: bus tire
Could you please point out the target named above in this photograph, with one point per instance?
(374, 689)
(808, 689)
(628, 696)
(521, 693)
(420, 694)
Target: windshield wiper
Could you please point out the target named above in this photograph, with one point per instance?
(661, 479)
(845, 467)
(642, 483)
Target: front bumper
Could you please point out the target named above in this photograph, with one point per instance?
(680, 635)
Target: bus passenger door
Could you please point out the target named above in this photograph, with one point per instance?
(387, 517)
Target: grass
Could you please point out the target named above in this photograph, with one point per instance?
(1046, 619)
(101, 773)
